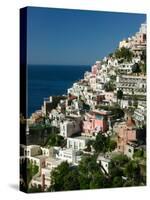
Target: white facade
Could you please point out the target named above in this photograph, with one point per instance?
(140, 113)
(143, 28)
(69, 155)
(34, 153)
(32, 150)
(112, 62)
(77, 143)
(46, 101)
(129, 150)
(43, 178)
(104, 160)
(125, 68)
(131, 84)
(56, 117)
(69, 127)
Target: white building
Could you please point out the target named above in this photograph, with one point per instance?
(70, 126)
(112, 62)
(140, 113)
(131, 84)
(104, 161)
(43, 178)
(47, 102)
(129, 150)
(70, 155)
(31, 150)
(77, 143)
(125, 68)
(56, 117)
(92, 82)
(33, 153)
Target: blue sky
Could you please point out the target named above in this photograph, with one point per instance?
(75, 37)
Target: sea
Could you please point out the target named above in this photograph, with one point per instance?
(51, 80)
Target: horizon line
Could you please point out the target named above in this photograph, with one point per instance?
(60, 64)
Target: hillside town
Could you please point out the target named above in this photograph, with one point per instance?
(96, 133)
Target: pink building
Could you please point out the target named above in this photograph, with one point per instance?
(94, 69)
(126, 133)
(95, 121)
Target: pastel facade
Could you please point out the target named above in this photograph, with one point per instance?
(94, 69)
(138, 39)
(126, 133)
(36, 117)
(92, 82)
(96, 121)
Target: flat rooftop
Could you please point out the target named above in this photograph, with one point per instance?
(40, 156)
(80, 137)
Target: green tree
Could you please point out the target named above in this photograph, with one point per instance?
(71, 180)
(87, 167)
(114, 170)
(138, 153)
(89, 144)
(58, 176)
(143, 56)
(135, 101)
(128, 182)
(136, 68)
(35, 189)
(101, 143)
(124, 53)
(109, 86)
(31, 170)
(132, 170)
(84, 182)
(119, 94)
(112, 145)
(117, 165)
(117, 181)
(55, 140)
(120, 160)
(98, 181)
(144, 68)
